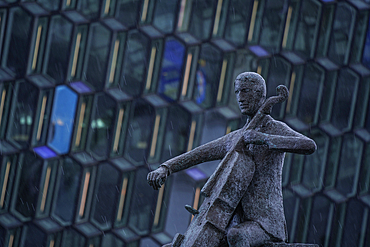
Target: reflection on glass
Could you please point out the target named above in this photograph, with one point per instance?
(207, 76)
(56, 61)
(139, 131)
(359, 36)
(6, 92)
(34, 236)
(72, 238)
(20, 128)
(141, 214)
(238, 21)
(273, 24)
(97, 56)
(16, 48)
(28, 187)
(349, 165)
(66, 191)
(106, 196)
(321, 216)
(307, 28)
(50, 4)
(345, 99)
(324, 29)
(201, 19)
(353, 224)
(340, 41)
(102, 124)
(170, 74)
(176, 134)
(127, 12)
(366, 52)
(62, 119)
(135, 63)
(90, 8)
(314, 165)
(111, 240)
(310, 94)
(279, 73)
(164, 15)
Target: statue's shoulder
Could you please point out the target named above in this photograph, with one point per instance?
(275, 126)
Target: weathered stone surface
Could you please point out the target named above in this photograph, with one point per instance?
(246, 186)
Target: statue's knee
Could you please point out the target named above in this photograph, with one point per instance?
(236, 238)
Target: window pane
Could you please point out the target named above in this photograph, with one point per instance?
(102, 124)
(127, 12)
(307, 28)
(320, 220)
(176, 137)
(314, 165)
(58, 48)
(97, 56)
(280, 73)
(66, 192)
(20, 129)
(139, 131)
(90, 8)
(62, 119)
(310, 94)
(207, 77)
(135, 62)
(238, 21)
(201, 20)
(349, 165)
(273, 24)
(171, 71)
(17, 43)
(28, 186)
(50, 4)
(164, 15)
(106, 196)
(339, 47)
(345, 98)
(141, 214)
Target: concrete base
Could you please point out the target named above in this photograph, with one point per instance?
(271, 244)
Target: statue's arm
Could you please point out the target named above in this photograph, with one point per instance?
(282, 138)
(213, 150)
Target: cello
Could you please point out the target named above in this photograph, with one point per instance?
(225, 188)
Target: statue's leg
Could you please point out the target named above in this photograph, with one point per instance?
(246, 234)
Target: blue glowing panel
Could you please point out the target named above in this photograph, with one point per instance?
(62, 118)
(196, 174)
(80, 87)
(366, 54)
(171, 69)
(44, 152)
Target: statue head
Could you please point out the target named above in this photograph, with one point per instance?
(250, 91)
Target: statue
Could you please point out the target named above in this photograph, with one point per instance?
(243, 203)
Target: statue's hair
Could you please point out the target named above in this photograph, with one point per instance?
(252, 77)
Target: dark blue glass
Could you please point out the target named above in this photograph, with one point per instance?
(171, 71)
(62, 119)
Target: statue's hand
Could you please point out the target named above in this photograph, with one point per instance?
(157, 177)
(255, 137)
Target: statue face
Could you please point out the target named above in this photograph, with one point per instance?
(250, 96)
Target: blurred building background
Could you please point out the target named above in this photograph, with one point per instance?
(96, 93)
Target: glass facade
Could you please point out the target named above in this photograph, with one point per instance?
(94, 94)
